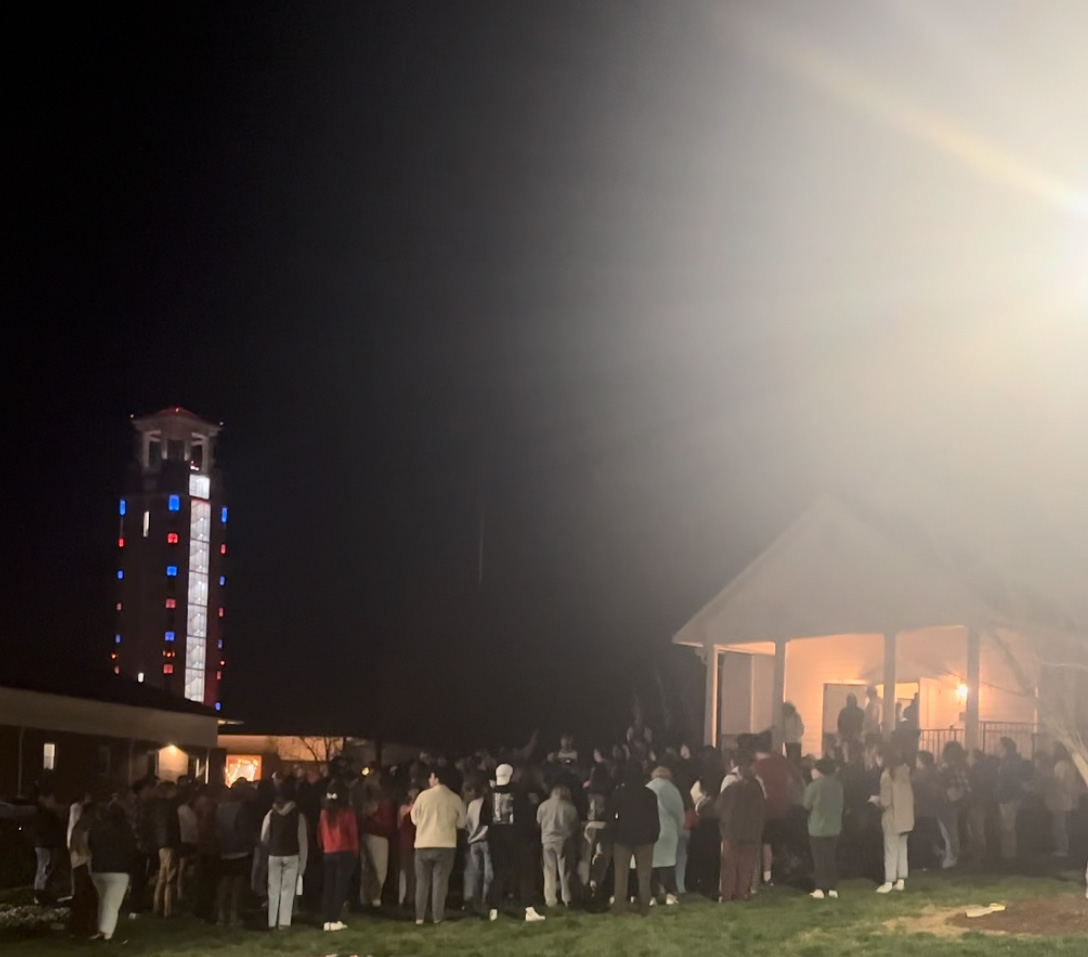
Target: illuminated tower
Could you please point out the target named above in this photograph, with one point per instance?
(172, 555)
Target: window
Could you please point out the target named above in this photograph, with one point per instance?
(223, 549)
(220, 646)
(172, 571)
(119, 606)
(120, 543)
(174, 503)
(147, 523)
(219, 676)
(113, 655)
(169, 636)
(220, 612)
(154, 453)
(223, 515)
(167, 669)
(171, 603)
(121, 509)
(217, 706)
(49, 756)
(117, 639)
(172, 538)
(139, 676)
(175, 450)
(120, 574)
(222, 580)
(200, 486)
(116, 669)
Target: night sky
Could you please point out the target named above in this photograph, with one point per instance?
(636, 281)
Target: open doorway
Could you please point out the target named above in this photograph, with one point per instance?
(835, 696)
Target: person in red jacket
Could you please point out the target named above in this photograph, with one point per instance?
(338, 835)
(378, 826)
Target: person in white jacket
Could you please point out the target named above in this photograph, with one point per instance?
(438, 815)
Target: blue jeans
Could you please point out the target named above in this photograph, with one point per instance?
(682, 859)
(478, 875)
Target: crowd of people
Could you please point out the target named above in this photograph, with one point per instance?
(637, 824)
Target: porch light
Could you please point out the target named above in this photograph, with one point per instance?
(961, 693)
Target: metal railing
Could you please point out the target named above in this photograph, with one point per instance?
(1027, 737)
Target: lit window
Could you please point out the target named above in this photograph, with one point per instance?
(120, 543)
(122, 507)
(139, 676)
(171, 571)
(217, 706)
(220, 612)
(169, 636)
(174, 503)
(147, 523)
(117, 639)
(113, 655)
(116, 669)
(200, 486)
(219, 676)
(171, 603)
(222, 663)
(167, 669)
(49, 756)
(172, 538)
(119, 606)
(223, 515)
(222, 580)
(120, 574)
(223, 549)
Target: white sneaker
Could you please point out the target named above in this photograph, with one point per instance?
(900, 885)
(653, 902)
(611, 900)
(338, 925)
(376, 903)
(817, 895)
(671, 900)
(419, 923)
(492, 914)
(531, 914)
(885, 888)
(834, 895)
(326, 926)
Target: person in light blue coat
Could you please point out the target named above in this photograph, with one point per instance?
(670, 811)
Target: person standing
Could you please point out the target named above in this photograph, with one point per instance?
(113, 856)
(438, 815)
(237, 833)
(741, 809)
(981, 778)
(793, 731)
(874, 714)
(1060, 798)
(512, 836)
(49, 835)
(1012, 775)
(284, 834)
(377, 827)
(83, 913)
(406, 846)
(850, 724)
(824, 802)
(636, 826)
(896, 801)
(670, 812)
(558, 819)
(957, 792)
(166, 842)
(478, 870)
(338, 838)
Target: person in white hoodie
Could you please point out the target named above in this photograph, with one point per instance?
(558, 821)
(438, 815)
(285, 836)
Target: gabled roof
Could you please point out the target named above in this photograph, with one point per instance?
(905, 554)
(174, 412)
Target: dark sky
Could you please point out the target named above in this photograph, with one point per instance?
(643, 278)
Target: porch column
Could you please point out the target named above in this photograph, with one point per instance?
(974, 669)
(889, 684)
(711, 721)
(779, 694)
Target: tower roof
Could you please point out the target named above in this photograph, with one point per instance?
(174, 412)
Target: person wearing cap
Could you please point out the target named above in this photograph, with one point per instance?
(438, 814)
(824, 802)
(511, 838)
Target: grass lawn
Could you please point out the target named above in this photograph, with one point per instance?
(780, 923)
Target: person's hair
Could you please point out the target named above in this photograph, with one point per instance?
(115, 814)
(871, 691)
(953, 753)
(1008, 745)
(747, 742)
(286, 791)
(826, 766)
(926, 759)
(662, 771)
(562, 792)
(442, 774)
(764, 741)
(788, 707)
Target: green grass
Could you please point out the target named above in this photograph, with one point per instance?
(781, 923)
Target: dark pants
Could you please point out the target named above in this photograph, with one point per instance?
(336, 877)
(705, 859)
(83, 914)
(738, 865)
(514, 861)
(664, 877)
(644, 864)
(205, 879)
(825, 867)
(433, 868)
(793, 752)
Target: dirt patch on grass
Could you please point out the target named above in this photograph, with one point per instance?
(1039, 917)
(938, 921)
